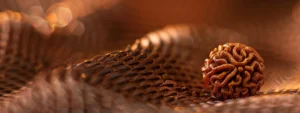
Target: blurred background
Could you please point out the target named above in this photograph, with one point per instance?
(270, 26)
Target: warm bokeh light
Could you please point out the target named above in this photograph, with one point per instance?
(59, 16)
(36, 10)
(40, 24)
(3, 17)
(10, 15)
(76, 28)
(63, 14)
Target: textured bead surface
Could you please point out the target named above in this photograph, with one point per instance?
(233, 70)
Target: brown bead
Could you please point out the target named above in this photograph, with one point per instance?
(233, 70)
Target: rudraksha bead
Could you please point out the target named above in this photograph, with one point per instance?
(233, 70)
